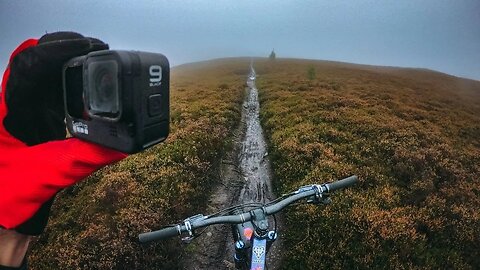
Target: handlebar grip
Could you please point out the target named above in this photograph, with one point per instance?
(157, 235)
(342, 183)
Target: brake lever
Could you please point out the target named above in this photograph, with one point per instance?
(325, 199)
(188, 239)
(321, 195)
(188, 225)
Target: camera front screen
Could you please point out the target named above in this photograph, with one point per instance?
(103, 92)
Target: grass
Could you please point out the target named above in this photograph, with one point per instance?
(95, 224)
(413, 138)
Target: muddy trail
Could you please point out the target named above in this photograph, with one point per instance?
(245, 177)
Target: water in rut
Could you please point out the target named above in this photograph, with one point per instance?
(246, 177)
(253, 154)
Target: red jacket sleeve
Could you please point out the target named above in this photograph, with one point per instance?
(31, 175)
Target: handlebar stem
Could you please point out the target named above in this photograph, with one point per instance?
(259, 220)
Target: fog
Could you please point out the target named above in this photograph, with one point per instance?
(438, 35)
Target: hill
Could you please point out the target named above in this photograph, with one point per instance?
(95, 225)
(411, 135)
(413, 138)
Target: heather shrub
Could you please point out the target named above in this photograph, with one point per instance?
(95, 224)
(411, 136)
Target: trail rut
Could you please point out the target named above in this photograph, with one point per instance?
(246, 177)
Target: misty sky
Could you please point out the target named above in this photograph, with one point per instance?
(435, 34)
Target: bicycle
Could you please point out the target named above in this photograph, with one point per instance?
(250, 226)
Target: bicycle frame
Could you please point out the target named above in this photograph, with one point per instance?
(252, 243)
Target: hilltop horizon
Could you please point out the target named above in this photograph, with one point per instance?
(425, 69)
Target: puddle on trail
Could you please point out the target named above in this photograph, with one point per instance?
(254, 165)
(253, 154)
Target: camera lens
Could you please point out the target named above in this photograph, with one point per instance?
(103, 89)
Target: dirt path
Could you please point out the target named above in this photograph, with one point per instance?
(246, 177)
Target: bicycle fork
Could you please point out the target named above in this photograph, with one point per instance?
(252, 244)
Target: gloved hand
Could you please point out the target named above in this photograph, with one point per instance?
(36, 161)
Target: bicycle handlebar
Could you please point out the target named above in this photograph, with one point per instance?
(160, 234)
(200, 221)
(344, 183)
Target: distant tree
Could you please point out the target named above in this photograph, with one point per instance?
(272, 55)
(311, 73)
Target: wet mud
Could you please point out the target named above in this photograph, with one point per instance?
(245, 177)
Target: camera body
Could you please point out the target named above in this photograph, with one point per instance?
(118, 99)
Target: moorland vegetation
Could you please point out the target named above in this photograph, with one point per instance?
(411, 135)
(95, 224)
(413, 138)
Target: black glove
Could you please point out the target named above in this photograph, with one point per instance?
(34, 93)
(34, 98)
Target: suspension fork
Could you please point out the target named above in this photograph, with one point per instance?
(242, 235)
(252, 242)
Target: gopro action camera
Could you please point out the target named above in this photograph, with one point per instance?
(118, 99)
